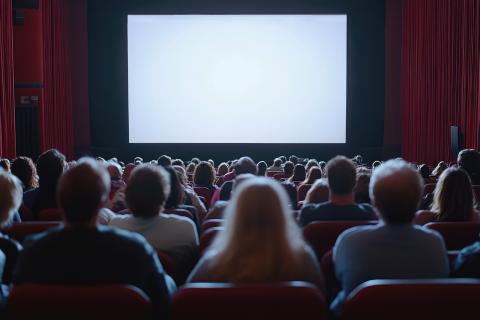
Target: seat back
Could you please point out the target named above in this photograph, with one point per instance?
(279, 176)
(211, 223)
(19, 231)
(294, 300)
(272, 173)
(423, 217)
(51, 214)
(119, 302)
(414, 300)
(302, 191)
(167, 263)
(456, 235)
(207, 238)
(321, 235)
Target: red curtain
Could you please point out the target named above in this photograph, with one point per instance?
(7, 98)
(440, 76)
(56, 115)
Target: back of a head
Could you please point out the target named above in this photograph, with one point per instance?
(147, 190)
(298, 173)
(176, 196)
(424, 171)
(164, 161)
(318, 193)
(293, 159)
(204, 174)
(82, 191)
(5, 164)
(258, 208)
(114, 170)
(261, 168)
(288, 169)
(24, 169)
(11, 193)
(341, 175)
(469, 160)
(222, 169)
(453, 198)
(50, 166)
(277, 162)
(246, 165)
(396, 189)
(314, 174)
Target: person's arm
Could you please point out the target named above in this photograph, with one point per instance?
(197, 203)
(202, 271)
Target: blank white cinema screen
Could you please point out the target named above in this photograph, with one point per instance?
(237, 78)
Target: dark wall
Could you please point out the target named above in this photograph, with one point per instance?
(108, 76)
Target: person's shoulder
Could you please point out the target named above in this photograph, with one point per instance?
(427, 233)
(120, 235)
(45, 237)
(119, 220)
(176, 220)
(357, 232)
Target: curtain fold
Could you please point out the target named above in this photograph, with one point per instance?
(440, 77)
(56, 116)
(7, 97)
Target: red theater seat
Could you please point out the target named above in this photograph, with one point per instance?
(457, 235)
(322, 235)
(272, 173)
(119, 302)
(207, 238)
(279, 176)
(219, 301)
(166, 262)
(414, 300)
(51, 214)
(302, 191)
(211, 223)
(19, 231)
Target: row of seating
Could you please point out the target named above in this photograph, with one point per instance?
(374, 300)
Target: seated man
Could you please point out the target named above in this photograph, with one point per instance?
(84, 253)
(146, 194)
(395, 248)
(341, 175)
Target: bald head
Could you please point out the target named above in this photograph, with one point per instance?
(82, 191)
(396, 189)
(246, 165)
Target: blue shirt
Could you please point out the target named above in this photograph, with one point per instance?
(328, 211)
(387, 252)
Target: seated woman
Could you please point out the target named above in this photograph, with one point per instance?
(313, 175)
(318, 193)
(298, 175)
(453, 198)
(204, 176)
(24, 169)
(274, 249)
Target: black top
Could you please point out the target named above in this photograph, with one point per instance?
(467, 263)
(328, 211)
(93, 256)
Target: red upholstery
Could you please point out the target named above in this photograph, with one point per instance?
(211, 223)
(25, 213)
(204, 192)
(423, 217)
(414, 300)
(52, 214)
(179, 212)
(429, 188)
(294, 300)
(323, 234)
(457, 235)
(207, 238)
(272, 173)
(19, 231)
(328, 268)
(119, 302)
(302, 191)
(279, 176)
(167, 263)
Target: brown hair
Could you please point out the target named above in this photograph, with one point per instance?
(204, 174)
(25, 170)
(453, 198)
(341, 175)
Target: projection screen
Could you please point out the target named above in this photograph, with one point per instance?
(237, 78)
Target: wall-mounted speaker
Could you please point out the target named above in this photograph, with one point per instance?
(455, 140)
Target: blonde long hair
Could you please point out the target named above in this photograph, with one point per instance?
(261, 241)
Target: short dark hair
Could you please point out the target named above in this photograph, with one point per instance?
(50, 166)
(424, 171)
(341, 175)
(147, 190)
(246, 165)
(82, 190)
(25, 170)
(293, 159)
(261, 168)
(288, 169)
(469, 160)
(277, 162)
(204, 174)
(164, 161)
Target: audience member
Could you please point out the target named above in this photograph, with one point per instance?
(204, 176)
(298, 175)
(5, 164)
(83, 252)
(341, 175)
(318, 193)
(24, 169)
(276, 166)
(261, 168)
(313, 175)
(469, 160)
(394, 248)
(467, 262)
(164, 161)
(360, 191)
(274, 249)
(291, 191)
(453, 198)
(441, 166)
(222, 169)
(288, 169)
(50, 166)
(146, 195)
(310, 164)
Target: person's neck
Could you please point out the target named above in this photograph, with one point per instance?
(92, 224)
(342, 199)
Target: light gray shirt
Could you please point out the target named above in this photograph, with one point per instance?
(387, 252)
